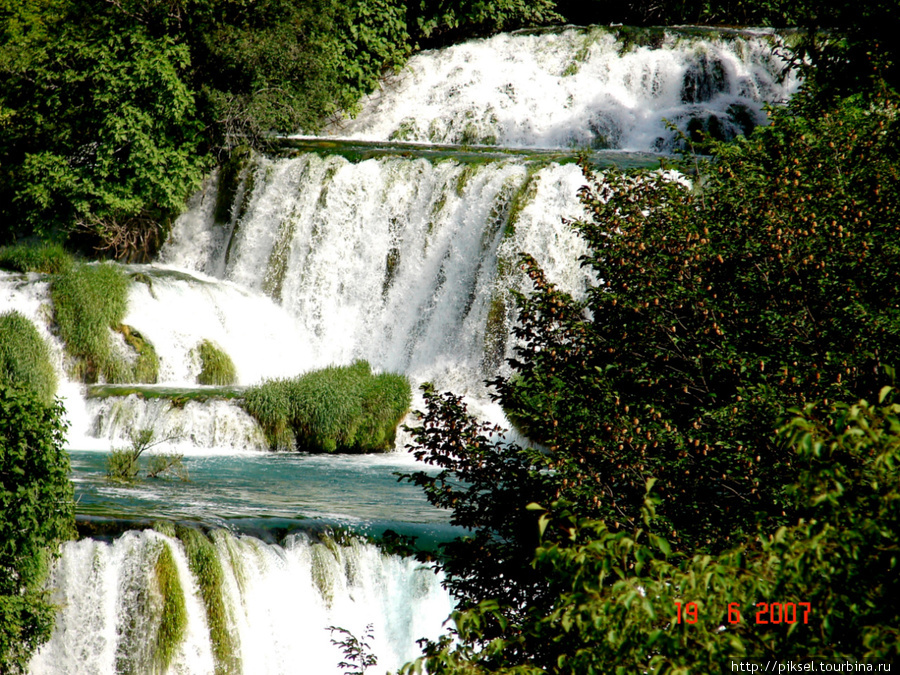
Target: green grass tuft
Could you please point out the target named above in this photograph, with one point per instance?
(203, 560)
(216, 367)
(337, 408)
(173, 626)
(146, 366)
(88, 302)
(25, 357)
(44, 258)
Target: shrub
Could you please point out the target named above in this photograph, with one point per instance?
(44, 258)
(25, 357)
(720, 307)
(36, 514)
(344, 408)
(216, 367)
(819, 589)
(123, 464)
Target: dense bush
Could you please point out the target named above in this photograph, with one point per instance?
(337, 408)
(25, 357)
(821, 587)
(719, 307)
(36, 514)
(112, 112)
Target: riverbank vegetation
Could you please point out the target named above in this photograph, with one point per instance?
(25, 357)
(343, 408)
(718, 420)
(37, 507)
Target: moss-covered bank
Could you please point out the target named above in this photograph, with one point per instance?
(88, 302)
(343, 408)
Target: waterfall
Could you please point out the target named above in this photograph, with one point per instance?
(266, 611)
(394, 238)
(589, 87)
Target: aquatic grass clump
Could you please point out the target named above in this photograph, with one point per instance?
(173, 624)
(25, 357)
(145, 366)
(337, 408)
(216, 367)
(203, 559)
(90, 301)
(44, 258)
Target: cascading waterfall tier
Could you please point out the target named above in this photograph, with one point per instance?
(587, 87)
(151, 603)
(408, 264)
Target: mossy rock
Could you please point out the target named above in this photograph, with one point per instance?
(203, 560)
(145, 368)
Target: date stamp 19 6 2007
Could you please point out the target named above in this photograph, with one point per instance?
(766, 612)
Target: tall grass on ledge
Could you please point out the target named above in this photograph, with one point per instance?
(89, 301)
(339, 408)
(216, 367)
(25, 357)
(44, 258)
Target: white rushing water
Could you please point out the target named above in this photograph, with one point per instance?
(276, 601)
(585, 87)
(391, 260)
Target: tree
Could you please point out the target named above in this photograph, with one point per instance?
(719, 306)
(819, 590)
(36, 514)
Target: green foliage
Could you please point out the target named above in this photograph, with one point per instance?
(357, 654)
(216, 367)
(832, 575)
(103, 131)
(89, 301)
(173, 626)
(43, 258)
(204, 562)
(123, 465)
(713, 317)
(468, 17)
(25, 357)
(719, 307)
(344, 408)
(36, 514)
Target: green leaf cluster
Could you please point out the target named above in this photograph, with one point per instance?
(36, 514)
(343, 408)
(722, 301)
(618, 591)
